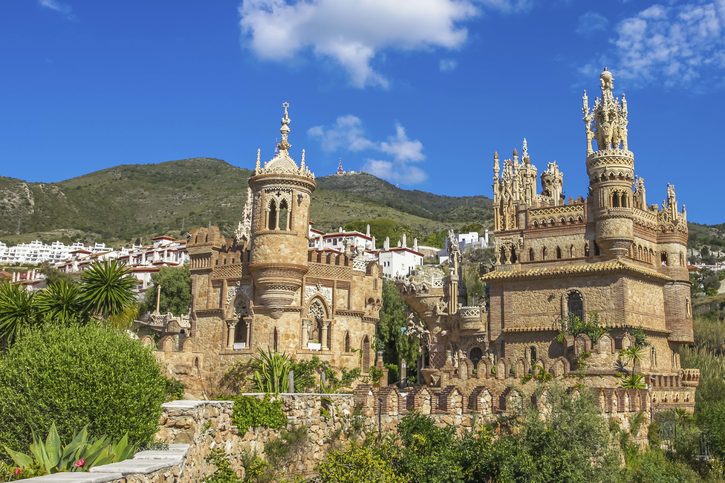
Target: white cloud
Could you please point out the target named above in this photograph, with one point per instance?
(352, 33)
(347, 134)
(591, 22)
(393, 172)
(59, 7)
(675, 45)
(447, 65)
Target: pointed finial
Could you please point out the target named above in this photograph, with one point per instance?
(258, 166)
(284, 144)
(525, 153)
(495, 155)
(516, 153)
(302, 162)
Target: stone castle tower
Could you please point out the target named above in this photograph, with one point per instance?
(281, 194)
(265, 288)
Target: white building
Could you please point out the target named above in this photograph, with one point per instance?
(142, 261)
(399, 261)
(37, 252)
(341, 239)
(466, 241)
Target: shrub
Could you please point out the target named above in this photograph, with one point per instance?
(250, 412)
(429, 453)
(77, 376)
(81, 454)
(359, 463)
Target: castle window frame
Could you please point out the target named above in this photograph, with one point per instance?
(543, 253)
(272, 215)
(575, 304)
(283, 218)
(532, 254)
(558, 252)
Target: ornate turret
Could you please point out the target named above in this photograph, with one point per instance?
(281, 192)
(610, 169)
(552, 184)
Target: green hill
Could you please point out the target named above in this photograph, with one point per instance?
(130, 201)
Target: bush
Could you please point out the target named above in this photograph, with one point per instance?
(429, 453)
(77, 376)
(359, 463)
(250, 412)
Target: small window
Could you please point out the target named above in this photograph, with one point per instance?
(543, 253)
(283, 216)
(531, 254)
(558, 253)
(272, 216)
(575, 304)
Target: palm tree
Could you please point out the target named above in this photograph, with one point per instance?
(632, 354)
(107, 289)
(633, 381)
(271, 371)
(61, 302)
(17, 311)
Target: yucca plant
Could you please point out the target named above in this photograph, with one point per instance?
(61, 302)
(633, 381)
(18, 311)
(107, 289)
(51, 456)
(271, 372)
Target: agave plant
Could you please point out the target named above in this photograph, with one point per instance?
(51, 456)
(61, 302)
(18, 311)
(271, 372)
(107, 289)
(633, 381)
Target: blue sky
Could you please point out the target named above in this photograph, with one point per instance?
(420, 92)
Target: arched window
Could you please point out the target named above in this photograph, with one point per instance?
(558, 253)
(575, 304)
(347, 342)
(531, 254)
(625, 201)
(283, 215)
(240, 334)
(543, 253)
(272, 216)
(615, 199)
(663, 259)
(365, 359)
(571, 251)
(533, 355)
(586, 249)
(275, 340)
(475, 355)
(514, 258)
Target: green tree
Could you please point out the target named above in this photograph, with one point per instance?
(175, 291)
(107, 289)
(392, 338)
(429, 453)
(61, 302)
(18, 312)
(76, 376)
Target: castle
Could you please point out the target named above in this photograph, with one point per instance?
(266, 289)
(610, 260)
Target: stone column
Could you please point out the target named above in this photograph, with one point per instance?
(248, 321)
(305, 333)
(323, 337)
(231, 326)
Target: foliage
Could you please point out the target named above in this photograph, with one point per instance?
(107, 289)
(174, 389)
(61, 302)
(76, 376)
(711, 418)
(475, 290)
(278, 450)
(653, 465)
(429, 453)
(18, 312)
(252, 412)
(175, 291)
(13, 473)
(361, 463)
(391, 335)
(632, 381)
(574, 326)
(81, 454)
(271, 372)
(375, 374)
(224, 472)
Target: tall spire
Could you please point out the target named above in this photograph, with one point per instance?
(258, 166)
(284, 130)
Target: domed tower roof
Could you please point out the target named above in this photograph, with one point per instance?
(282, 162)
